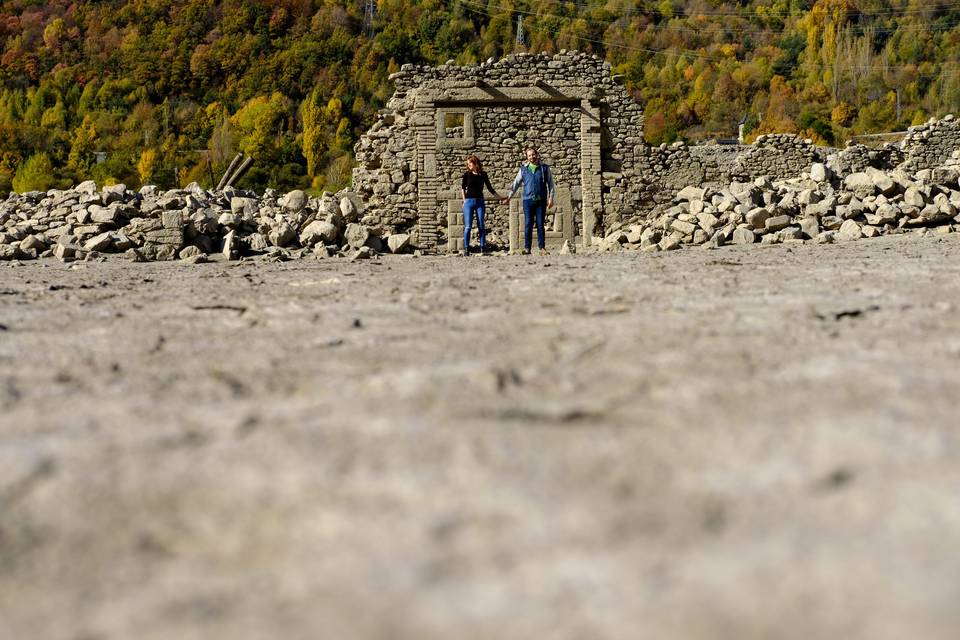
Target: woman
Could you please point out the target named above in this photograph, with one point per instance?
(471, 189)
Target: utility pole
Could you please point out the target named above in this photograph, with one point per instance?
(369, 13)
(518, 44)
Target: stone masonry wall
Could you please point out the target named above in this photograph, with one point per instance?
(499, 133)
(931, 144)
(568, 105)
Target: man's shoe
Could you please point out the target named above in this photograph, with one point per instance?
(544, 252)
(525, 252)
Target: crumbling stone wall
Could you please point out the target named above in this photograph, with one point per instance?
(498, 130)
(857, 158)
(569, 106)
(929, 145)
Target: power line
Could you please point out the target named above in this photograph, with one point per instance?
(369, 13)
(699, 14)
(484, 9)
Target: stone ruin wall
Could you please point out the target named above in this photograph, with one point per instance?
(521, 100)
(636, 180)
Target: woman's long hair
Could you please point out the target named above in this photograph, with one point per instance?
(473, 158)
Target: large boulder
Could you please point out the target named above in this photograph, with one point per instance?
(356, 235)
(861, 184)
(294, 202)
(849, 230)
(318, 231)
(398, 242)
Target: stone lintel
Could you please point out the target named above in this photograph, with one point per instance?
(502, 94)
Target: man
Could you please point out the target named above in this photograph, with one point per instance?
(537, 181)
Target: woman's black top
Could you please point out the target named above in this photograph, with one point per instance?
(472, 184)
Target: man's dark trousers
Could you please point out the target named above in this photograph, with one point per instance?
(533, 210)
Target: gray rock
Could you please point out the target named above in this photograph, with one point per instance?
(363, 253)
(757, 218)
(860, 184)
(229, 220)
(690, 193)
(166, 252)
(819, 172)
(831, 222)
(199, 258)
(743, 236)
(790, 233)
(914, 197)
(87, 186)
(244, 208)
(349, 209)
(849, 230)
(114, 193)
(635, 234)
(231, 246)
(282, 234)
(686, 228)
(398, 242)
(356, 235)
(257, 243)
(318, 231)
(650, 236)
(100, 242)
(33, 242)
(172, 220)
(882, 181)
(810, 227)
(885, 214)
(669, 244)
(777, 223)
(294, 202)
(190, 252)
(103, 215)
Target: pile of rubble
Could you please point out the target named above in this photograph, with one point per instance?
(820, 206)
(188, 224)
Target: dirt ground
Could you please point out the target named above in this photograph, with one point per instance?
(745, 443)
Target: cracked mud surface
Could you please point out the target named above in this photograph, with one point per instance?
(743, 443)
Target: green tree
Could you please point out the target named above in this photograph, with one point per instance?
(35, 174)
(313, 140)
(259, 124)
(82, 149)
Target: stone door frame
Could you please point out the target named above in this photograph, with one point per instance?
(427, 118)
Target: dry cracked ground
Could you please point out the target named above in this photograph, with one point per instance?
(752, 442)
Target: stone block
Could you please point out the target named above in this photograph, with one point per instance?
(757, 218)
(777, 223)
(849, 230)
(743, 236)
(172, 220)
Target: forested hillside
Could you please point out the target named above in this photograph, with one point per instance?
(167, 91)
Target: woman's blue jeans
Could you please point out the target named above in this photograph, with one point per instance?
(471, 206)
(533, 211)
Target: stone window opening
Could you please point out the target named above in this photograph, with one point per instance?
(453, 124)
(455, 127)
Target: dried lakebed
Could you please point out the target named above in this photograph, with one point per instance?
(750, 442)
